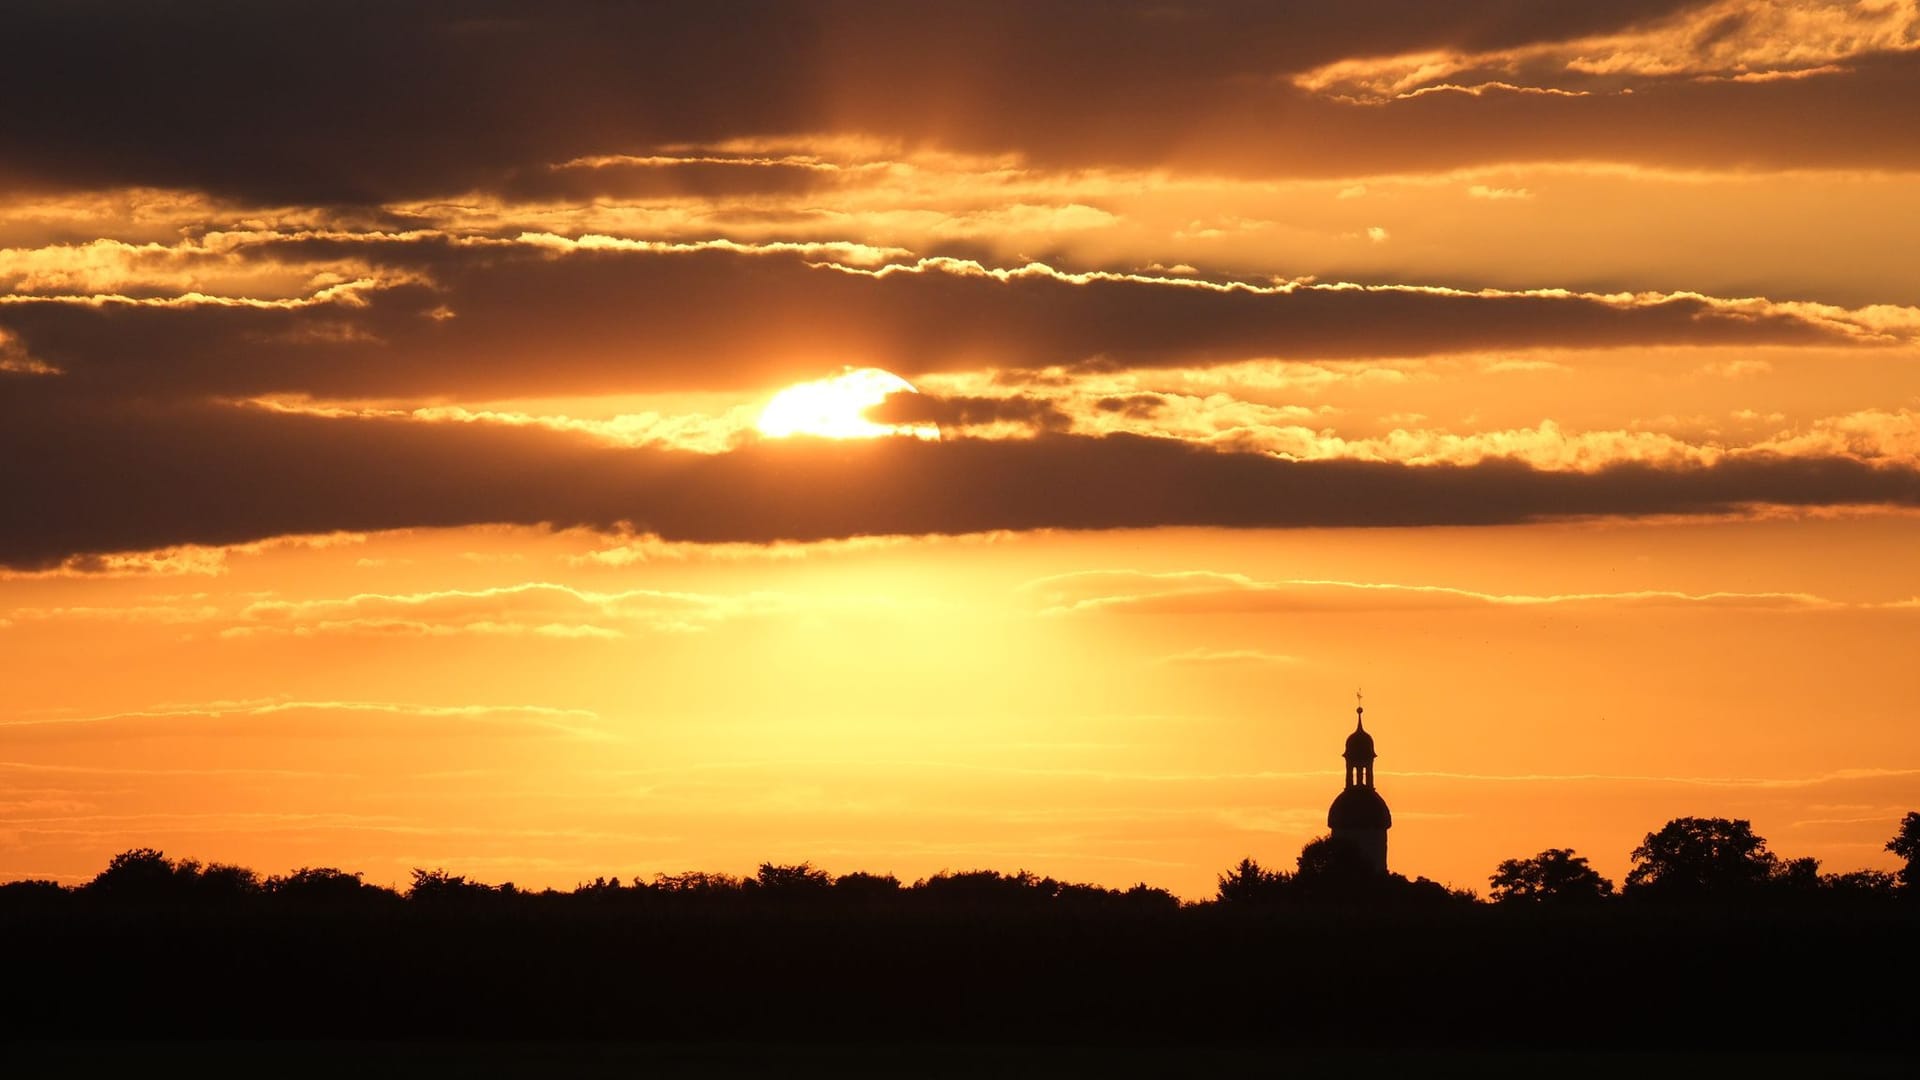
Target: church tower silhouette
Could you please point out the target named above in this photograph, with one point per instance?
(1359, 817)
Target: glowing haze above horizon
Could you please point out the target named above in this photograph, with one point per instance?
(547, 443)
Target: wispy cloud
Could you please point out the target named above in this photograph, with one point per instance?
(1201, 590)
(276, 718)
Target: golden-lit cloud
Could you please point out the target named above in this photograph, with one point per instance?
(452, 326)
(14, 359)
(1738, 40)
(308, 473)
(692, 432)
(1890, 436)
(190, 560)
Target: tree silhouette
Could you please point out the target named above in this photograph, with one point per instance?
(1800, 875)
(1692, 858)
(1906, 844)
(1325, 859)
(138, 874)
(1144, 897)
(324, 886)
(697, 882)
(860, 884)
(1250, 883)
(32, 894)
(1862, 885)
(987, 889)
(1555, 876)
(224, 882)
(797, 878)
(441, 887)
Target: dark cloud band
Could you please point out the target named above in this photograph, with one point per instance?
(139, 479)
(520, 320)
(373, 102)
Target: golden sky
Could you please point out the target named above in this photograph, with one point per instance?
(389, 478)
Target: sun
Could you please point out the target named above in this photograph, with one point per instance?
(836, 407)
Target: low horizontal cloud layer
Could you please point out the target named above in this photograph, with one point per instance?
(134, 479)
(438, 315)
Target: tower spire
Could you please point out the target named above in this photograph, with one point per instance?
(1359, 816)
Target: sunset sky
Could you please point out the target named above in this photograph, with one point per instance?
(388, 480)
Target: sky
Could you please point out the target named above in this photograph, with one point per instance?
(402, 464)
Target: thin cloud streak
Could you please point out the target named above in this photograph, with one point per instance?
(172, 720)
(1088, 591)
(1836, 776)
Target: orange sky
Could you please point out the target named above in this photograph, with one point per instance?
(384, 483)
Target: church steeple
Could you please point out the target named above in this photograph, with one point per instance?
(1359, 752)
(1359, 817)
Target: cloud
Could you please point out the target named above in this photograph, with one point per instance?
(1205, 591)
(537, 609)
(1736, 369)
(1497, 194)
(1837, 776)
(1228, 658)
(1737, 40)
(645, 548)
(1017, 412)
(135, 479)
(181, 560)
(626, 317)
(698, 432)
(1881, 435)
(14, 359)
(449, 100)
(284, 718)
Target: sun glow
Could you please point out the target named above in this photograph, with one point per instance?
(836, 407)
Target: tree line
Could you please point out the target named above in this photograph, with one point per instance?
(147, 878)
(1710, 939)
(1688, 860)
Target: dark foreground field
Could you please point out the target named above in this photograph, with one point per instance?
(414, 1059)
(975, 991)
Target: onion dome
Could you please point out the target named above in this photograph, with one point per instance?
(1360, 743)
(1359, 808)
